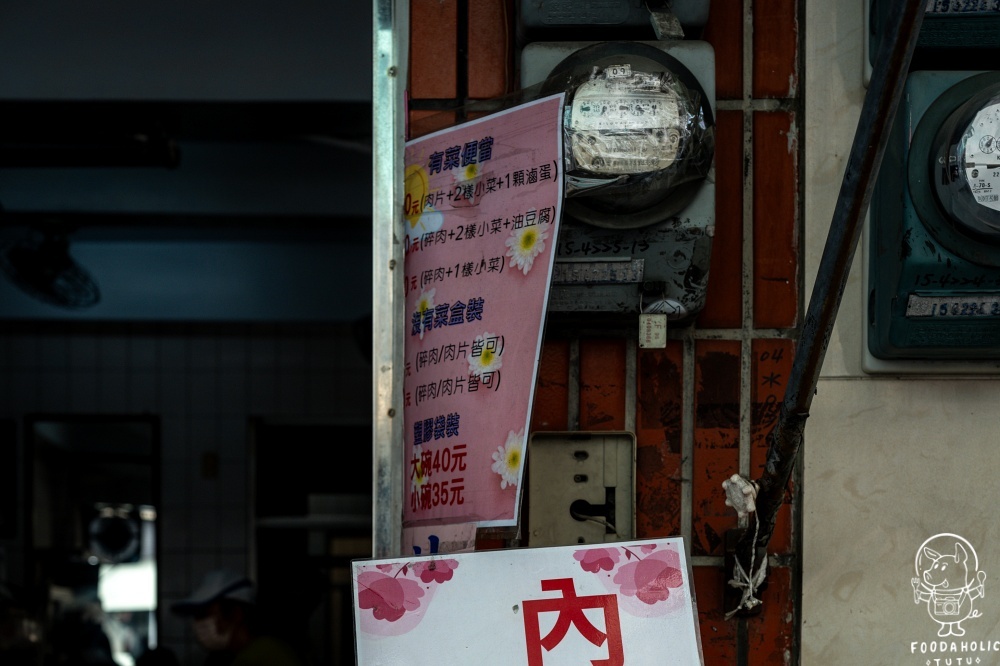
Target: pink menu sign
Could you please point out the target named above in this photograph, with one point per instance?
(481, 210)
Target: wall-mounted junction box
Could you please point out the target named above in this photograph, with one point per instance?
(580, 487)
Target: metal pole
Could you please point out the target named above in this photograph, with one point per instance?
(390, 39)
(884, 92)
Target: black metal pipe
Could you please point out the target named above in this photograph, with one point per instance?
(884, 92)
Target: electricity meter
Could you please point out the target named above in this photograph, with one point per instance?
(640, 200)
(934, 260)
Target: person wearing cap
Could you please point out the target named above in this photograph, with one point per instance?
(225, 622)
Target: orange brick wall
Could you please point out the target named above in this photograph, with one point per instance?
(704, 405)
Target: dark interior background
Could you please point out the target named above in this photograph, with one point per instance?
(185, 238)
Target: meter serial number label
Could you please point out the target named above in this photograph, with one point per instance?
(570, 271)
(967, 305)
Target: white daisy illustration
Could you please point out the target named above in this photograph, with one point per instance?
(429, 221)
(466, 173)
(507, 459)
(424, 303)
(524, 245)
(485, 354)
(467, 187)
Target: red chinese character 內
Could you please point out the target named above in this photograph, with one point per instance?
(570, 608)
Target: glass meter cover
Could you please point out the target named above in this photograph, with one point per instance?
(640, 134)
(967, 165)
(953, 169)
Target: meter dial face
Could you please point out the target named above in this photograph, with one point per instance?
(622, 127)
(982, 162)
(965, 170)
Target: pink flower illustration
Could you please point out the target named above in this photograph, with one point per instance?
(435, 571)
(596, 559)
(389, 598)
(649, 579)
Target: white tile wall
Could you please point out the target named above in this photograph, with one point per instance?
(143, 352)
(205, 387)
(143, 394)
(113, 353)
(54, 390)
(54, 351)
(83, 352)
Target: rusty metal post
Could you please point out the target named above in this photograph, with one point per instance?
(877, 113)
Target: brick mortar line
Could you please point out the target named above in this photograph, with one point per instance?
(462, 55)
(740, 334)
(746, 333)
(631, 379)
(687, 441)
(631, 384)
(757, 104)
(747, 108)
(573, 386)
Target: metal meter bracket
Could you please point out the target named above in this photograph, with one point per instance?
(952, 34)
(605, 19)
(611, 270)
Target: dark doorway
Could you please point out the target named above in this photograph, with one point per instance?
(94, 489)
(312, 492)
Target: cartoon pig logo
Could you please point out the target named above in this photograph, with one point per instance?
(949, 581)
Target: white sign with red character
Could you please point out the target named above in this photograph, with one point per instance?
(606, 605)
